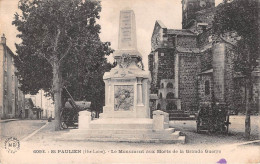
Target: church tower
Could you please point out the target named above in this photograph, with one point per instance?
(190, 8)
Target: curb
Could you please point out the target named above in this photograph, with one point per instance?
(8, 120)
(35, 132)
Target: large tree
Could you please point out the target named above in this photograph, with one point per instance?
(241, 16)
(60, 46)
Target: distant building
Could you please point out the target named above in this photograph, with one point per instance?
(40, 100)
(31, 112)
(197, 65)
(11, 97)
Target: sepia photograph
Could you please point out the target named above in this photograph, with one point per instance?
(129, 81)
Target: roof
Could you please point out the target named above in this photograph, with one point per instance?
(161, 23)
(181, 32)
(188, 50)
(207, 72)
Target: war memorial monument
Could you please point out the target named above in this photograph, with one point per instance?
(126, 114)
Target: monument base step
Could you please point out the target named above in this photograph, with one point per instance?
(121, 123)
(125, 130)
(180, 140)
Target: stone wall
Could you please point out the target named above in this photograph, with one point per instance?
(239, 95)
(192, 7)
(206, 16)
(203, 97)
(1, 79)
(205, 38)
(206, 60)
(165, 65)
(159, 36)
(229, 76)
(189, 68)
(218, 64)
(187, 41)
(150, 61)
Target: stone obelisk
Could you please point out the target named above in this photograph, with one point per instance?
(127, 85)
(126, 114)
(127, 42)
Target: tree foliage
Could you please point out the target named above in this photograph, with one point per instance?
(61, 46)
(241, 16)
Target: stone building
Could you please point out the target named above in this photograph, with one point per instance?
(197, 63)
(11, 97)
(31, 111)
(44, 102)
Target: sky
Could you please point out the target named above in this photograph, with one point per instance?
(146, 13)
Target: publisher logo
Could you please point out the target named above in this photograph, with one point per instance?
(12, 145)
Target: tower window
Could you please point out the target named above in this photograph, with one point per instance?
(207, 88)
(169, 85)
(170, 95)
(162, 86)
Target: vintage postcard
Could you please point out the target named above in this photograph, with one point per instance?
(129, 81)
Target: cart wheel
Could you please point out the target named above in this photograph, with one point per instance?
(64, 125)
(227, 126)
(198, 127)
(228, 123)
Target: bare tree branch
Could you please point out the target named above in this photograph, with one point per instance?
(66, 53)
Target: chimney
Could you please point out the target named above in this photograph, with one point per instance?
(3, 39)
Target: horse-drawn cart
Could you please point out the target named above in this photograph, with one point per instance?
(213, 118)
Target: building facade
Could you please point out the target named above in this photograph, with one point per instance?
(11, 97)
(198, 64)
(43, 102)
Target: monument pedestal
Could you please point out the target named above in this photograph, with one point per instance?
(127, 91)
(154, 130)
(126, 114)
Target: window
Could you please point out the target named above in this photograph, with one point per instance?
(5, 63)
(160, 95)
(171, 106)
(170, 95)
(169, 85)
(162, 86)
(158, 106)
(5, 80)
(207, 88)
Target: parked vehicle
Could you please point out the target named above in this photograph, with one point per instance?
(70, 112)
(213, 118)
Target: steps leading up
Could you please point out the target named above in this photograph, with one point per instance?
(125, 130)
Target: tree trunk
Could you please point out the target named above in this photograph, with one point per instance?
(249, 98)
(57, 94)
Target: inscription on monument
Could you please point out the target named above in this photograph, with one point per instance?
(126, 26)
(124, 97)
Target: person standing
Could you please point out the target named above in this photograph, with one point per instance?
(21, 114)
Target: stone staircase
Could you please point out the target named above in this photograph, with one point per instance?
(125, 130)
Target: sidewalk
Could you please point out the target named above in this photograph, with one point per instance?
(8, 120)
